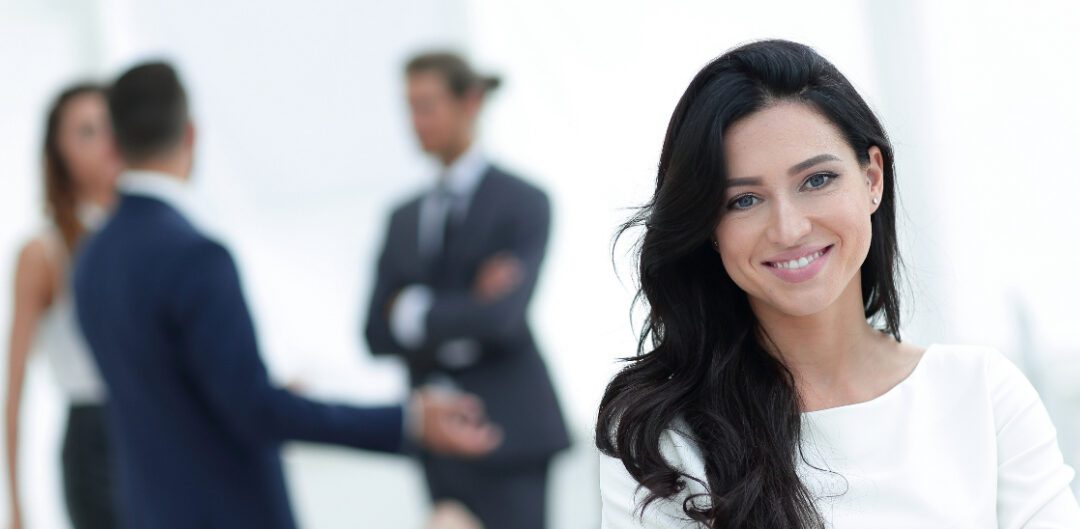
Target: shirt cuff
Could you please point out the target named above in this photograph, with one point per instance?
(413, 420)
(458, 354)
(408, 317)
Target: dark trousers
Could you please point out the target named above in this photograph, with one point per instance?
(502, 498)
(87, 469)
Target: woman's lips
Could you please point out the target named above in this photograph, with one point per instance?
(802, 268)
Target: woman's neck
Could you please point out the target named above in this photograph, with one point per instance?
(834, 355)
(102, 198)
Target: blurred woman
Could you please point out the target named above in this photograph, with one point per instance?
(81, 168)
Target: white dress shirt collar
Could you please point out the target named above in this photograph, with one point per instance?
(160, 186)
(463, 175)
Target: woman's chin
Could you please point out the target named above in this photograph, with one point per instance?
(798, 305)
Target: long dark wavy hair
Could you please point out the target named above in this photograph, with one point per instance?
(708, 365)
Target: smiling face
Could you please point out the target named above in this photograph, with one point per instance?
(795, 227)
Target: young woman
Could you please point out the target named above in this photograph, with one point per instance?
(777, 392)
(81, 168)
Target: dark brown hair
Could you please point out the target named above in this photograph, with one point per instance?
(149, 110)
(459, 76)
(60, 199)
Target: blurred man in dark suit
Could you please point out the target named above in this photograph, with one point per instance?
(455, 278)
(196, 423)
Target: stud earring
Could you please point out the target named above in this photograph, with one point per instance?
(874, 200)
(715, 244)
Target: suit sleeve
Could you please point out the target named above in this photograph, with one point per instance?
(221, 356)
(380, 338)
(458, 315)
(1033, 479)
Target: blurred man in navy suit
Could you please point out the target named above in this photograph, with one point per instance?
(196, 423)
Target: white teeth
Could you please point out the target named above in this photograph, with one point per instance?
(801, 262)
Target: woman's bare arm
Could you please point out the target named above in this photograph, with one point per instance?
(33, 294)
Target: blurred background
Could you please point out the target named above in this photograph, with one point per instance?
(304, 146)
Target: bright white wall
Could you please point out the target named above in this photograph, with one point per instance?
(304, 146)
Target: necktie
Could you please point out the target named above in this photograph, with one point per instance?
(443, 221)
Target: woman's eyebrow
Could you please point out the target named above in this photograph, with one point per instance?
(795, 169)
(810, 162)
(747, 181)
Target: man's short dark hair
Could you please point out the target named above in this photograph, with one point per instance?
(459, 75)
(149, 110)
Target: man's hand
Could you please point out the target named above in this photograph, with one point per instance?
(454, 424)
(451, 514)
(497, 277)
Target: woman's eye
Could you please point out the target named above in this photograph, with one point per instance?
(743, 202)
(818, 181)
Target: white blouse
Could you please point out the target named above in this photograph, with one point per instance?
(58, 334)
(963, 442)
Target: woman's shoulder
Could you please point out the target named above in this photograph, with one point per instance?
(980, 372)
(39, 260)
(960, 356)
(1032, 477)
(956, 361)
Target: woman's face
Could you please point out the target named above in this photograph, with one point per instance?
(85, 142)
(795, 227)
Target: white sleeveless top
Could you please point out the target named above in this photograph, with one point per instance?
(963, 443)
(59, 336)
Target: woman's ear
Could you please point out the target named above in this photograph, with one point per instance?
(875, 177)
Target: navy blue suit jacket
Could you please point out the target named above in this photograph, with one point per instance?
(195, 422)
(506, 214)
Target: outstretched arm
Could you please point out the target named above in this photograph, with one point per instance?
(222, 359)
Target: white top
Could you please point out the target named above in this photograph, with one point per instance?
(58, 334)
(963, 443)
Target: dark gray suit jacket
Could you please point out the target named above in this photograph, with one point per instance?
(505, 214)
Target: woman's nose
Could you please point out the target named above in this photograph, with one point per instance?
(788, 224)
